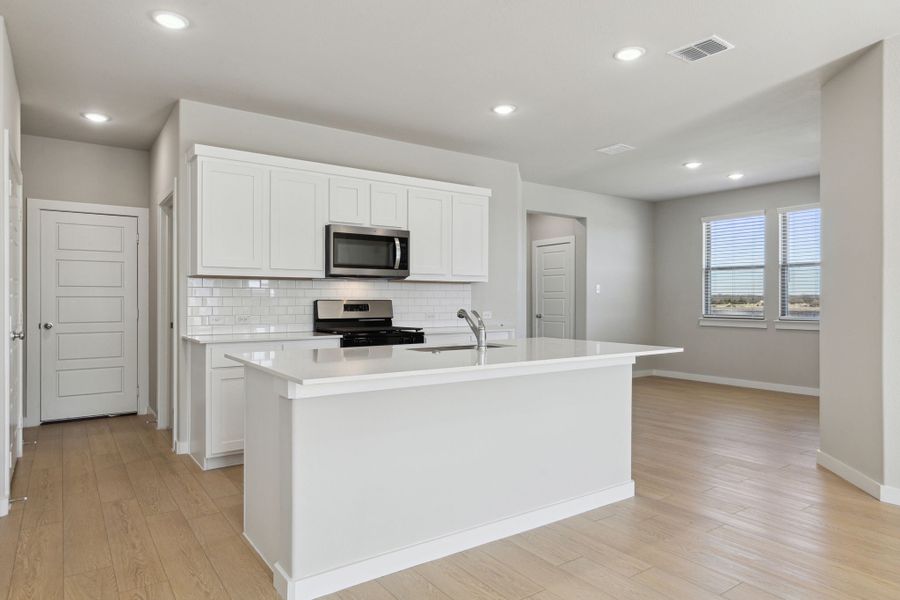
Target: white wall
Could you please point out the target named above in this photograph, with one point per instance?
(56, 169)
(619, 251)
(767, 355)
(860, 361)
(541, 227)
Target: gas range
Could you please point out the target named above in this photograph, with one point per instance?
(363, 323)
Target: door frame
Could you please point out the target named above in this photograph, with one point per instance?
(535, 245)
(166, 301)
(33, 207)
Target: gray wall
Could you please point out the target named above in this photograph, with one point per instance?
(619, 251)
(767, 355)
(219, 126)
(78, 172)
(541, 227)
(860, 399)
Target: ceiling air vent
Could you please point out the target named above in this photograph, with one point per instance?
(615, 149)
(702, 49)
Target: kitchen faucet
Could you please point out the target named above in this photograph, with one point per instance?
(479, 329)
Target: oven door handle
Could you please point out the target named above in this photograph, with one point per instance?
(398, 251)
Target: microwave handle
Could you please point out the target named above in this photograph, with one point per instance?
(397, 253)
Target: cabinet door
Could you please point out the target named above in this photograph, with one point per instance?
(226, 410)
(231, 217)
(297, 205)
(388, 205)
(470, 238)
(348, 201)
(429, 234)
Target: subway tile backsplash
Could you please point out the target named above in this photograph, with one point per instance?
(224, 306)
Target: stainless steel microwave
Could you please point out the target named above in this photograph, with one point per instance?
(366, 252)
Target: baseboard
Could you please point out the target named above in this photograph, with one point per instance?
(745, 383)
(4, 506)
(641, 373)
(182, 447)
(885, 493)
(341, 578)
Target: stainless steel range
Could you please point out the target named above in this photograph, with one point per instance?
(363, 323)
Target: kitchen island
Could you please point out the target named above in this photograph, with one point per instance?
(360, 462)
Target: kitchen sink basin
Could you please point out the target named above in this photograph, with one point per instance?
(434, 349)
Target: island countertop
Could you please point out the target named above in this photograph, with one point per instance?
(390, 365)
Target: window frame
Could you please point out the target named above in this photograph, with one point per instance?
(712, 319)
(783, 298)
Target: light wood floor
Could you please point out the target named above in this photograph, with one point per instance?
(730, 505)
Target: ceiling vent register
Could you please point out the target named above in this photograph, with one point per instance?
(615, 149)
(702, 49)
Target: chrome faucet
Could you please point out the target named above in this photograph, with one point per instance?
(479, 329)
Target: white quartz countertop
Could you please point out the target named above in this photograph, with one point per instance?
(234, 338)
(360, 365)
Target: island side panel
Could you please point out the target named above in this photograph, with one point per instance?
(422, 472)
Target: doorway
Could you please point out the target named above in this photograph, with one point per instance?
(166, 287)
(556, 276)
(87, 297)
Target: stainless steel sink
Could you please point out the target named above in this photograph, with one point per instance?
(434, 349)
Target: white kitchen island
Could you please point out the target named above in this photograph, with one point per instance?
(360, 462)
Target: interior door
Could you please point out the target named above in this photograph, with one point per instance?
(89, 315)
(553, 265)
(12, 242)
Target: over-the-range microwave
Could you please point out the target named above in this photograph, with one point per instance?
(352, 251)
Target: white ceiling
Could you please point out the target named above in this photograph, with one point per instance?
(428, 71)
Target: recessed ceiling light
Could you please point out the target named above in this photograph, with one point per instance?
(505, 109)
(170, 20)
(736, 176)
(693, 165)
(630, 53)
(95, 117)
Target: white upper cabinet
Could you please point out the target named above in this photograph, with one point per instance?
(298, 203)
(388, 206)
(469, 260)
(260, 216)
(348, 201)
(429, 234)
(231, 217)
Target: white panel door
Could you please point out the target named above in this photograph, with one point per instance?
(429, 234)
(14, 330)
(226, 410)
(348, 201)
(88, 335)
(553, 266)
(388, 205)
(232, 217)
(298, 202)
(470, 238)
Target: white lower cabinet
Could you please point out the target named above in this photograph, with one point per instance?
(218, 401)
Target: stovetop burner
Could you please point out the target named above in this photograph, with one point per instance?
(363, 323)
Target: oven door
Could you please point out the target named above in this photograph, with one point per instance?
(366, 252)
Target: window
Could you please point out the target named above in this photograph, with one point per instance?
(734, 258)
(800, 262)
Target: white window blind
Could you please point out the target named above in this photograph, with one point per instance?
(734, 259)
(800, 262)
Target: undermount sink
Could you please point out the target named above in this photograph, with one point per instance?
(434, 349)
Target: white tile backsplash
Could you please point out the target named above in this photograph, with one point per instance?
(225, 306)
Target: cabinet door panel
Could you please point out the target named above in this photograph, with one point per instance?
(429, 234)
(232, 214)
(348, 201)
(388, 205)
(226, 410)
(470, 238)
(297, 206)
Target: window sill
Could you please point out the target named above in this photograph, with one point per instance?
(726, 322)
(797, 325)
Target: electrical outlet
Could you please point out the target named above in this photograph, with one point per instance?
(241, 318)
(487, 314)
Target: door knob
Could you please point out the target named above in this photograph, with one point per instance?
(48, 325)
(18, 335)
(538, 316)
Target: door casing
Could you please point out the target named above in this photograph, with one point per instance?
(34, 206)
